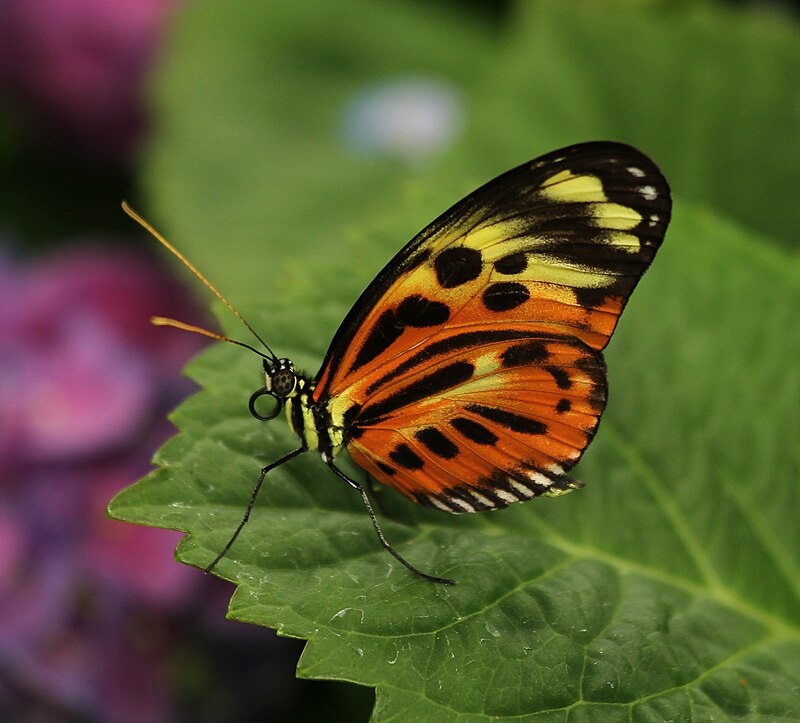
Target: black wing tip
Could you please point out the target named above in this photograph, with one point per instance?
(620, 161)
(611, 149)
(599, 153)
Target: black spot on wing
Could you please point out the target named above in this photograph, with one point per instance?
(560, 375)
(591, 298)
(437, 443)
(457, 265)
(525, 354)
(512, 264)
(509, 420)
(564, 405)
(474, 431)
(404, 456)
(386, 331)
(434, 383)
(505, 295)
(417, 311)
(386, 469)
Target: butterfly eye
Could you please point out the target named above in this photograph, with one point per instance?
(281, 379)
(265, 409)
(282, 382)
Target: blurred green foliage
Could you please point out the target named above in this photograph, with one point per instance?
(670, 587)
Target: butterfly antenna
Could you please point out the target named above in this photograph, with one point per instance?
(161, 321)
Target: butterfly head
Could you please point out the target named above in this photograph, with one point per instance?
(280, 384)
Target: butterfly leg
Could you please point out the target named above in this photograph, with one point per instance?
(375, 491)
(355, 485)
(252, 501)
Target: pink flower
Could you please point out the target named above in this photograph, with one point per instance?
(83, 371)
(135, 561)
(78, 65)
(85, 382)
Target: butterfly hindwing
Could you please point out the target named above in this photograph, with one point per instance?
(490, 425)
(490, 316)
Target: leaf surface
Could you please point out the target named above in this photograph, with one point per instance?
(668, 588)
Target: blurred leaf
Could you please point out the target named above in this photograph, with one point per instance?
(712, 93)
(249, 153)
(668, 589)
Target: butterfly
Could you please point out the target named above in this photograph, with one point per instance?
(469, 374)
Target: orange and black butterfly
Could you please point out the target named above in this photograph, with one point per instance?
(469, 375)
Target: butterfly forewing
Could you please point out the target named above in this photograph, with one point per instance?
(469, 374)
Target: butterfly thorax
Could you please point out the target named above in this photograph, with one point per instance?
(311, 421)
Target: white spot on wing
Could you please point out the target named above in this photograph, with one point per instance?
(462, 503)
(438, 503)
(539, 479)
(638, 172)
(649, 192)
(485, 501)
(506, 496)
(521, 488)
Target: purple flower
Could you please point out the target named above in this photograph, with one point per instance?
(84, 373)
(85, 382)
(77, 66)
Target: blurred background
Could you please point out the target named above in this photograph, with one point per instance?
(256, 136)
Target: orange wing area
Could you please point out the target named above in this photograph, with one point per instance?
(521, 416)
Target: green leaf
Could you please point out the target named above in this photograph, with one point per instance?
(668, 589)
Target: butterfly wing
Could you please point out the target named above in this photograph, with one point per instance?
(481, 426)
(535, 266)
